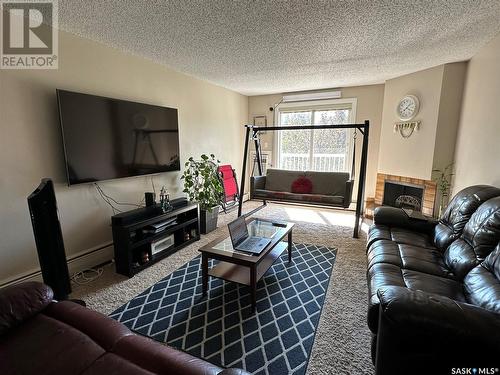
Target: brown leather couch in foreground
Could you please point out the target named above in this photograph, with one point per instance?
(39, 336)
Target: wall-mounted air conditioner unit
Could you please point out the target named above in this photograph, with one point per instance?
(312, 96)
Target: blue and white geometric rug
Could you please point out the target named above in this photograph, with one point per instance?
(277, 339)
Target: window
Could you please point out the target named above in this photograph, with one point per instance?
(328, 150)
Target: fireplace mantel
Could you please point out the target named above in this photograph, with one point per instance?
(429, 196)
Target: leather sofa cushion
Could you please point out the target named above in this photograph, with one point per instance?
(111, 364)
(383, 275)
(20, 302)
(409, 257)
(377, 232)
(421, 333)
(459, 211)
(156, 357)
(405, 236)
(443, 235)
(139, 352)
(480, 235)
(434, 284)
(482, 283)
(102, 329)
(44, 345)
(400, 235)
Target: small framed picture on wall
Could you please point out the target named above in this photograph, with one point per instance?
(260, 121)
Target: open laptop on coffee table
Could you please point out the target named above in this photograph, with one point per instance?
(245, 267)
(242, 241)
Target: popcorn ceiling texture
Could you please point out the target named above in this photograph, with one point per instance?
(262, 47)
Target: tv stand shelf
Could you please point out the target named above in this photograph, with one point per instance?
(132, 246)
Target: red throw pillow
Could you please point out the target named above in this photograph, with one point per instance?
(302, 185)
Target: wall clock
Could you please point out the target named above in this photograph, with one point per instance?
(408, 107)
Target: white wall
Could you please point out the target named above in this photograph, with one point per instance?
(31, 146)
(413, 156)
(477, 152)
(450, 104)
(439, 90)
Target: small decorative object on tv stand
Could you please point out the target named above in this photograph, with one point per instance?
(137, 247)
(165, 200)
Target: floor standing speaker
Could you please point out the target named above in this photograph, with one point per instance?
(48, 238)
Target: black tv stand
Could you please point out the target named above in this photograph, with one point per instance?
(132, 244)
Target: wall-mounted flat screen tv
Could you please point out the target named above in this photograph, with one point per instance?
(108, 138)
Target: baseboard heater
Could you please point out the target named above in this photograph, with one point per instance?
(93, 257)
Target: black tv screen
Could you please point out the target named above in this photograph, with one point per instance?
(108, 138)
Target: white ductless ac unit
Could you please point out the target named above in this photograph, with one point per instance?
(312, 96)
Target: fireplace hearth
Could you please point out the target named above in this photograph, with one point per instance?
(405, 192)
(403, 195)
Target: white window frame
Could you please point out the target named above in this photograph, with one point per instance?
(315, 105)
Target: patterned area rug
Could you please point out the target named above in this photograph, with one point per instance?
(276, 339)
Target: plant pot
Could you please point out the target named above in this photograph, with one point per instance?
(208, 220)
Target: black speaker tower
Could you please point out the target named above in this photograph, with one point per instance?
(48, 237)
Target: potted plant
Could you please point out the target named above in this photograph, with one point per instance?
(203, 185)
(443, 181)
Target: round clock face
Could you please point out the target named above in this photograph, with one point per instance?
(407, 107)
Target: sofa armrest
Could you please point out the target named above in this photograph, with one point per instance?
(348, 193)
(396, 217)
(22, 301)
(162, 359)
(116, 338)
(257, 182)
(418, 328)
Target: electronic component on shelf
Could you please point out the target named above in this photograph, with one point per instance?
(159, 227)
(162, 244)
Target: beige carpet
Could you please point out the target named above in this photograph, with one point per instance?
(342, 343)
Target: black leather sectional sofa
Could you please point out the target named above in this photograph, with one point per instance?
(434, 287)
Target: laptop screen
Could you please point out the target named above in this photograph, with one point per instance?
(238, 230)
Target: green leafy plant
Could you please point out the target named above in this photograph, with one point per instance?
(201, 181)
(443, 181)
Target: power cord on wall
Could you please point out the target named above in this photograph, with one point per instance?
(113, 202)
(90, 274)
(98, 188)
(153, 185)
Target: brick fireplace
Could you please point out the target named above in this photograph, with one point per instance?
(407, 192)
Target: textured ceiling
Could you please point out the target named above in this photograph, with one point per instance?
(261, 47)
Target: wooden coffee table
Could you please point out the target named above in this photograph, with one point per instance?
(245, 268)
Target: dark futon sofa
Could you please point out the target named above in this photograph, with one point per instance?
(434, 288)
(39, 336)
(319, 188)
